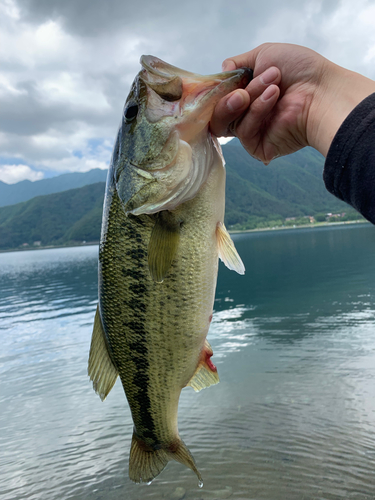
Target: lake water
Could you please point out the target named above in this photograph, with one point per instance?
(293, 417)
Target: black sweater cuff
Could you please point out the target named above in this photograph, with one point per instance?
(349, 171)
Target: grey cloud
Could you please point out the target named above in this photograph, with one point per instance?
(197, 35)
(25, 113)
(28, 113)
(97, 17)
(109, 37)
(213, 21)
(32, 154)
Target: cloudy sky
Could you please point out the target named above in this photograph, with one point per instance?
(66, 66)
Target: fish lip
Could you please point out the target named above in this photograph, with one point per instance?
(201, 92)
(248, 74)
(171, 71)
(221, 84)
(244, 75)
(147, 60)
(198, 104)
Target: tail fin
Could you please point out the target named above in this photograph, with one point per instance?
(145, 464)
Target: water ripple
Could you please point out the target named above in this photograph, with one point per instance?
(293, 417)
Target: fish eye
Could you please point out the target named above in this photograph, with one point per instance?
(131, 112)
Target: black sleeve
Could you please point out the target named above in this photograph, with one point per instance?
(349, 170)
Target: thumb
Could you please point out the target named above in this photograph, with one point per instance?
(245, 60)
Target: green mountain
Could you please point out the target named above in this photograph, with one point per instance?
(26, 190)
(54, 219)
(257, 196)
(291, 186)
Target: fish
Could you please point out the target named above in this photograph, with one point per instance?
(161, 239)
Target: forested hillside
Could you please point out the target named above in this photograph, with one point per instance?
(256, 196)
(291, 186)
(55, 219)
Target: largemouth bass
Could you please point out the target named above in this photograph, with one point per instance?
(162, 234)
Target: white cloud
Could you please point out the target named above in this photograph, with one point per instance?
(66, 67)
(16, 173)
(224, 140)
(9, 9)
(73, 164)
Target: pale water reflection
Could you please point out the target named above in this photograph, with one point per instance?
(294, 414)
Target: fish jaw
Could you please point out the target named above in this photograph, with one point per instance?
(195, 95)
(155, 164)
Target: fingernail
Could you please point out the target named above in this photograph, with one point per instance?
(235, 102)
(269, 76)
(268, 93)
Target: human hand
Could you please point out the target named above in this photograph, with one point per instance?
(297, 98)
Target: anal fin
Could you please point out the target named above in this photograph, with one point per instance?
(101, 369)
(206, 373)
(227, 251)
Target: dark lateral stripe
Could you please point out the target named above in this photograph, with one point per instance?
(137, 334)
(124, 295)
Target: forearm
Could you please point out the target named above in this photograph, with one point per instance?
(349, 171)
(339, 92)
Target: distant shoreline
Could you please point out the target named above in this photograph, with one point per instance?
(303, 226)
(49, 247)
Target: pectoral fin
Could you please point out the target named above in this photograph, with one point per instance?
(227, 251)
(101, 369)
(163, 245)
(206, 373)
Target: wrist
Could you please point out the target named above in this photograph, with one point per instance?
(339, 91)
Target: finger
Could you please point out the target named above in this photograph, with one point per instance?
(249, 128)
(272, 76)
(227, 110)
(228, 65)
(245, 60)
(233, 105)
(253, 120)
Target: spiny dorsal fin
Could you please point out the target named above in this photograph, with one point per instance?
(101, 370)
(227, 251)
(206, 373)
(163, 245)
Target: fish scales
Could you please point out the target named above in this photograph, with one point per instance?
(159, 321)
(158, 262)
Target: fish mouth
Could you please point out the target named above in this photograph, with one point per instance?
(197, 94)
(164, 71)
